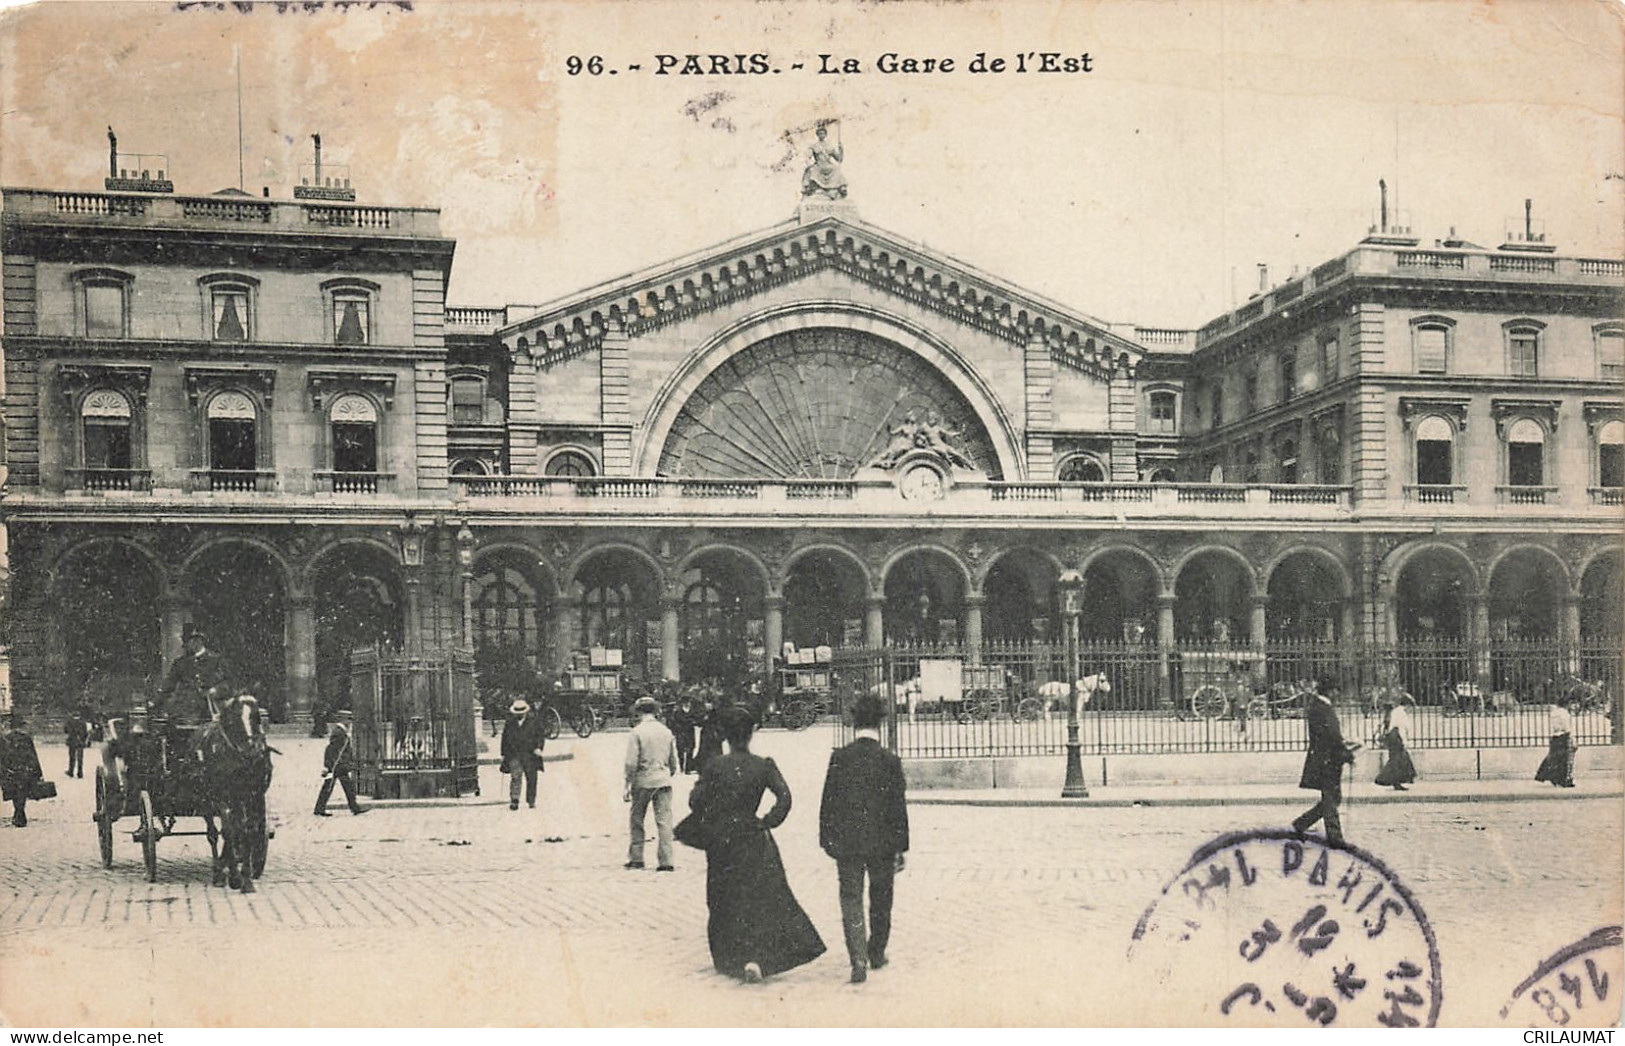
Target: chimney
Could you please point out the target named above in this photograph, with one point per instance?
(112, 153)
(1382, 188)
(1528, 219)
(1263, 277)
(323, 181)
(265, 191)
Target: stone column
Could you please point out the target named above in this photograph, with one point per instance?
(1258, 632)
(973, 627)
(300, 663)
(1345, 621)
(414, 610)
(874, 624)
(1570, 635)
(1165, 644)
(773, 628)
(670, 653)
(1478, 637)
(566, 626)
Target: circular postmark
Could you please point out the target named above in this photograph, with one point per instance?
(1273, 928)
(1576, 986)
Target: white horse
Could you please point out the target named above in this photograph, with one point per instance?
(1057, 691)
(904, 693)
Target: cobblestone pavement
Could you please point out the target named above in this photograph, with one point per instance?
(477, 915)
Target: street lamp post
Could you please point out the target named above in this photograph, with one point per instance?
(1071, 584)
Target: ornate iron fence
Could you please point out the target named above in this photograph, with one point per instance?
(1011, 700)
(414, 723)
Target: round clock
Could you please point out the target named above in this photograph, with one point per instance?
(922, 483)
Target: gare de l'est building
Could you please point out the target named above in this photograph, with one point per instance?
(262, 416)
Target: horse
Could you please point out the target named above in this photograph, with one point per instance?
(1057, 691)
(235, 773)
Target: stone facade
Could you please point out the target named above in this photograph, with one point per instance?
(262, 415)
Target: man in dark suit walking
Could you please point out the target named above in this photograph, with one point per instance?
(1323, 769)
(863, 824)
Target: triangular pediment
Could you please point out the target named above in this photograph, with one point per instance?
(728, 272)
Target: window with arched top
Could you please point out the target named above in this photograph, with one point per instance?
(106, 417)
(354, 422)
(469, 467)
(1435, 451)
(233, 433)
(570, 464)
(505, 609)
(1611, 455)
(1526, 453)
(1081, 468)
(605, 616)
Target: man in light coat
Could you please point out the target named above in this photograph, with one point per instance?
(651, 763)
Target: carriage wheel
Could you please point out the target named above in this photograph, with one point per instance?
(1028, 709)
(149, 837)
(104, 818)
(1208, 702)
(552, 723)
(1259, 707)
(983, 705)
(582, 721)
(798, 715)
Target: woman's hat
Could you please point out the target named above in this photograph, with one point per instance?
(519, 707)
(646, 704)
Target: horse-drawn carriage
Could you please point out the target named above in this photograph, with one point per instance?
(591, 694)
(1219, 684)
(158, 772)
(805, 688)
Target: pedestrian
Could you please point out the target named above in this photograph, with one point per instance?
(1323, 769)
(755, 928)
(651, 763)
(863, 824)
(76, 727)
(682, 722)
(1397, 769)
(338, 763)
(710, 730)
(19, 766)
(1558, 766)
(522, 739)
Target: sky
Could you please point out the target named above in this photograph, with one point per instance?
(1208, 136)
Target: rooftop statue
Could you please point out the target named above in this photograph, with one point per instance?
(823, 175)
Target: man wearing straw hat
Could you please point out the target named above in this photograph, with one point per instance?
(522, 741)
(338, 765)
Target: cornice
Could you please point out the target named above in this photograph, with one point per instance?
(640, 305)
(40, 346)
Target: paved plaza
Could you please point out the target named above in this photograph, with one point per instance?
(472, 914)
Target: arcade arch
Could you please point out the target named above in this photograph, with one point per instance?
(108, 634)
(825, 594)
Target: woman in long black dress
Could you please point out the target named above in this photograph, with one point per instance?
(1397, 769)
(756, 928)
